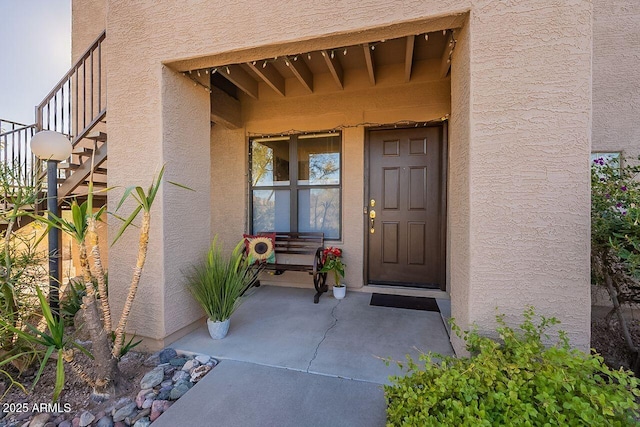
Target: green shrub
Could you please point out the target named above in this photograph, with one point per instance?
(516, 381)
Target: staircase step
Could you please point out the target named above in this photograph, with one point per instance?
(87, 152)
(95, 184)
(97, 136)
(85, 143)
(96, 171)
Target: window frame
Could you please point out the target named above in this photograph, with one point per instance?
(293, 186)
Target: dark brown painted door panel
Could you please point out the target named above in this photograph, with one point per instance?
(405, 181)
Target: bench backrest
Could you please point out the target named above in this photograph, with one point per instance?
(298, 243)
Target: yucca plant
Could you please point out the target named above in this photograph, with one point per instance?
(53, 338)
(108, 339)
(219, 284)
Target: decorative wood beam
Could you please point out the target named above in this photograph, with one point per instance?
(368, 57)
(408, 58)
(269, 74)
(445, 63)
(334, 68)
(225, 109)
(240, 78)
(301, 71)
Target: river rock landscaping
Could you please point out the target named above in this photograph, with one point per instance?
(157, 380)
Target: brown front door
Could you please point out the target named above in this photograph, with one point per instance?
(405, 239)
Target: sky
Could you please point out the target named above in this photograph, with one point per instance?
(35, 52)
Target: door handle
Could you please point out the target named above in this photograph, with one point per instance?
(372, 219)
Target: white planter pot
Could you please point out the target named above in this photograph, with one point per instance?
(339, 292)
(218, 330)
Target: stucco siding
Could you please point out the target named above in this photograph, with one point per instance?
(520, 135)
(459, 185)
(616, 76)
(229, 183)
(530, 141)
(88, 20)
(186, 221)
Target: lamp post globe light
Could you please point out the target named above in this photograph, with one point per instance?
(52, 147)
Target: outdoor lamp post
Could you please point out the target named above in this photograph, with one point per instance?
(52, 147)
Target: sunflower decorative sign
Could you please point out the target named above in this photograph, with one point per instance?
(260, 248)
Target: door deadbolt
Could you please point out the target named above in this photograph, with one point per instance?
(372, 203)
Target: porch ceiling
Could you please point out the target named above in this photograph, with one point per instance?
(406, 51)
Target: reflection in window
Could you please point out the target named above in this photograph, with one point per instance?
(271, 210)
(319, 210)
(319, 160)
(270, 162)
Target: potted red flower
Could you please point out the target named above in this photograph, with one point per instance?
(332, 262)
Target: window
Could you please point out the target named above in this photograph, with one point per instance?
(296, 184)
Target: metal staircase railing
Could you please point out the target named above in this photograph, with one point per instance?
(15, 152)
(74, 107)
(78, 101)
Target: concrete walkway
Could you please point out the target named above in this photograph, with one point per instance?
(287, 361)
(245, 395)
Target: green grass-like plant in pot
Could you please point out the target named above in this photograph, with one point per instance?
(219, 284)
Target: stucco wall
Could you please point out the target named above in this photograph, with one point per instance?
(458, 182)
(529, 156)
(228, 185)
(616, 76)
(88, 20)
(528, 91)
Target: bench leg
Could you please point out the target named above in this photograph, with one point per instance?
(320, 283)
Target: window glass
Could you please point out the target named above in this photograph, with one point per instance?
(319, 160)
(270, 162)
(313, 191)
(319, 210)
(271, 210)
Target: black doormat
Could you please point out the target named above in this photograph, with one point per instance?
(402, 301)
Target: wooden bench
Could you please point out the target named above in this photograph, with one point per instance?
(309, 244)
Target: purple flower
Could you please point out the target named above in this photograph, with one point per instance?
(607, 196)
(618, 205)
(623, 188)
(602, 180)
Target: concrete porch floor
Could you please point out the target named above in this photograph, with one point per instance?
(281, 327)
(287, 362)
